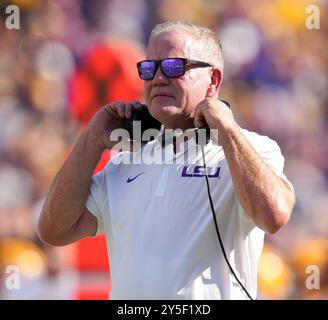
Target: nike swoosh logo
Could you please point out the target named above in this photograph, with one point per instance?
(131, 179)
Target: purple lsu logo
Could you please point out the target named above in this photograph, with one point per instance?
(199, 171)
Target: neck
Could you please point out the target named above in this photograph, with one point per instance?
(183, 125)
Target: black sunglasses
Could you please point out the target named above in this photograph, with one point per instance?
(170, 67)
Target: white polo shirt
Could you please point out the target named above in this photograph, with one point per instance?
(159, 228)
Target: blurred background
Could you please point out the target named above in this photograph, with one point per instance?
(69, 58)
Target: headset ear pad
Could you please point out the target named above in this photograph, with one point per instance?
(147, 121)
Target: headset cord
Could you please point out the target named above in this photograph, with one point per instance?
(217, 228)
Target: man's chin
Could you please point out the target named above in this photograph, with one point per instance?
(163, 112)
(158, 108)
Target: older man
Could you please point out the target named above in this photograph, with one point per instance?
(161, 235)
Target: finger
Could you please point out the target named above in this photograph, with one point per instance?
(226, 103)
(199, 120)
(120, 109)
(196, 117)
(137, 105)
(109, 109)
(132, 106)
(128, 110)
(200, 123)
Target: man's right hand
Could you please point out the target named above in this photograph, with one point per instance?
(109, 118)
(64, 218)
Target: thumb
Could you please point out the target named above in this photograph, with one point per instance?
(199, 119)
(210, 93)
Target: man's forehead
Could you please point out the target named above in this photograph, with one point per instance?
(172, 44)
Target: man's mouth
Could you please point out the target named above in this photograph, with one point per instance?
(162, 96)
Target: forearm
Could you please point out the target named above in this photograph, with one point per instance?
(264, 196)
(68, 193)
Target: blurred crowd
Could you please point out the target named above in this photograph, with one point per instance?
(71, 57)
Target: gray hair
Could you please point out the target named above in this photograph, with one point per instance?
(207, 38)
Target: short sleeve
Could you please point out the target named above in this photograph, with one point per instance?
(97, 201)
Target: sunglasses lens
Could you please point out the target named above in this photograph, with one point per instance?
(146, 69)
(173, 68)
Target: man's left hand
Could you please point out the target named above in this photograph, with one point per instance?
(214, 114)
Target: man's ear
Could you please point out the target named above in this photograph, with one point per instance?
(216, 80)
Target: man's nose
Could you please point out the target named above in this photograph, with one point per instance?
(160, 78)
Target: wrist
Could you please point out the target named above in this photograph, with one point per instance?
(228, 132)
(92, 140)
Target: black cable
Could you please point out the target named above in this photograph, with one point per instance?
(217, 228)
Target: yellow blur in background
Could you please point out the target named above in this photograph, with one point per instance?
(71, 57)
